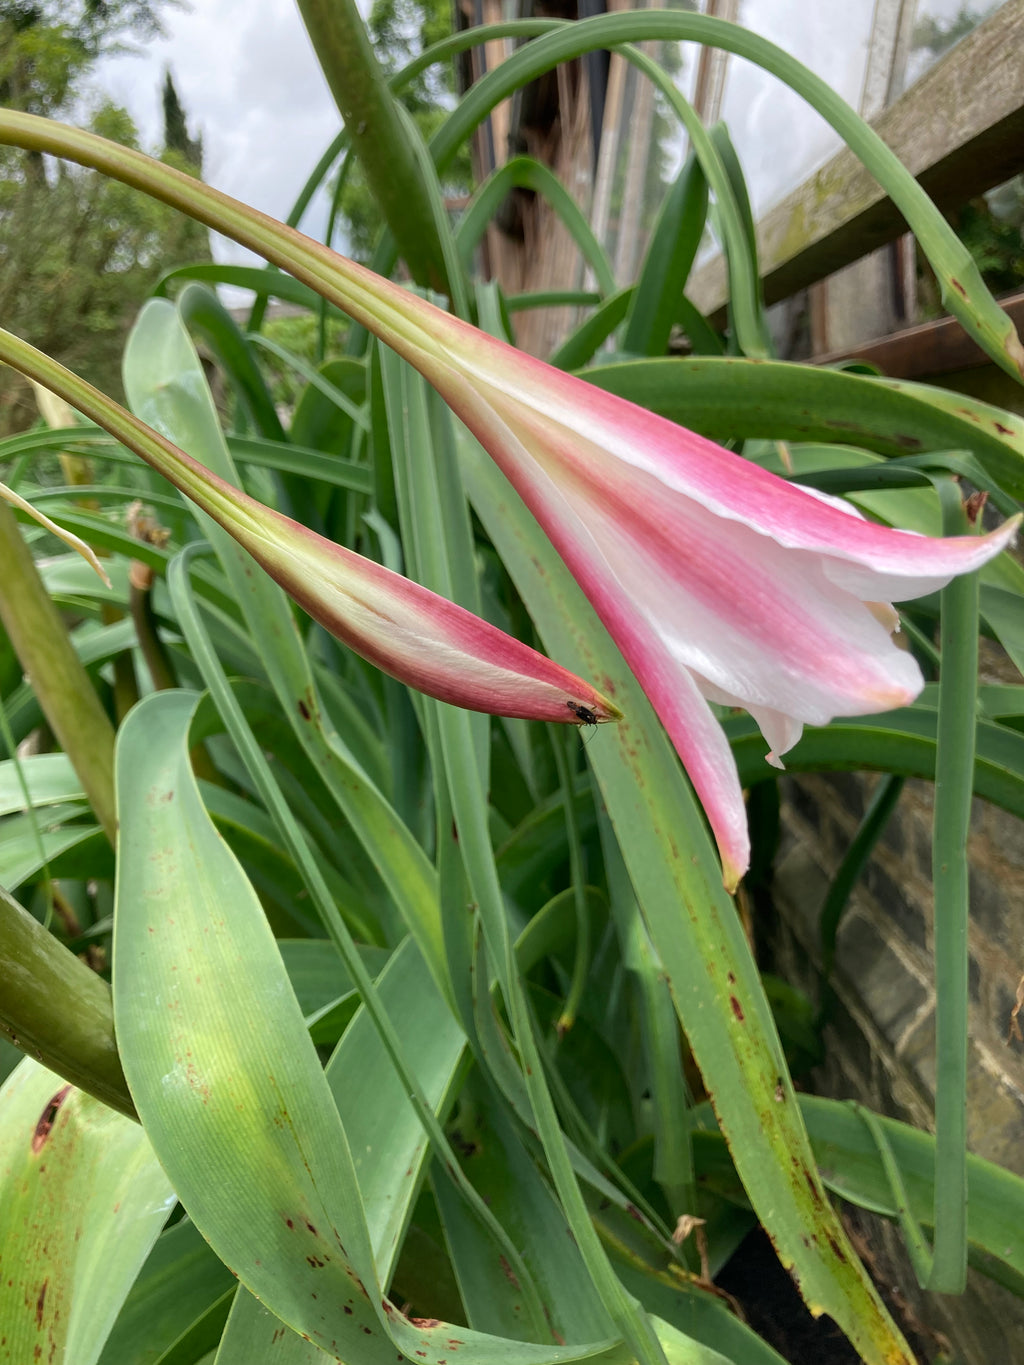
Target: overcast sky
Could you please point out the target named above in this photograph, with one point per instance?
(249, 82)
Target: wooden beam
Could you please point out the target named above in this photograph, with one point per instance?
(960, 130)
(933, 348)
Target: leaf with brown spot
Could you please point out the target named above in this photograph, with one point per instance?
(264, 1140)
(70, 1261)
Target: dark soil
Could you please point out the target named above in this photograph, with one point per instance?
(775, 1310)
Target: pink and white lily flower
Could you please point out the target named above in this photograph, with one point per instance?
(719, 581)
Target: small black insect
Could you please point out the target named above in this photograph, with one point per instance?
(583, 714)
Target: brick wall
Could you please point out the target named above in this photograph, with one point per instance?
(881, 1035)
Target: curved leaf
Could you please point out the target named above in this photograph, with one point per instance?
(734, 398)
(666, 266)
(254, 1334)
(261, 279)
(963, 290)
(240, 1114)
(578, 348)
(525, 172)
(895, 742)
(50, 779)
(180, 1283)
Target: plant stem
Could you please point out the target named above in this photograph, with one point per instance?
(55, 1009)
(954, 770)
(360, 89)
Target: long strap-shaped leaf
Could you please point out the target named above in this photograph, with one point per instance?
(253, 1333)
(166, 387)
(698, 936)
(731, 397)
(227, 1082)
(179, 1301)
(895, 742)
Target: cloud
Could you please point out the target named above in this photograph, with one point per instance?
(249, 82)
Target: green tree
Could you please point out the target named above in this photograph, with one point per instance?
(183, 239)
(78, 254)
(46, 46)
(176, 134)
(937, 36)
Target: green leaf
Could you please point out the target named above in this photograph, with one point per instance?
(50, 779)
(258, 278)
(68, 850)
(82, 1200)
(316, 379)
(850, 1165)
(579, 347)
(180, 1283)
(254, 1335)
(201, 309)
(298, 459)
(501, 1169)
(254, 839)
(894, 742)
(699, 1314)
(963, 290)
(57, 1009)
(690, 919)
(524, 172)
(550, 298)
(317, 973)
(318, 423)
(666, 266)
(242, 1118)
(1004, 612)
(387, 1139)
(729, 398)
(87, 436)
(235, 1114)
